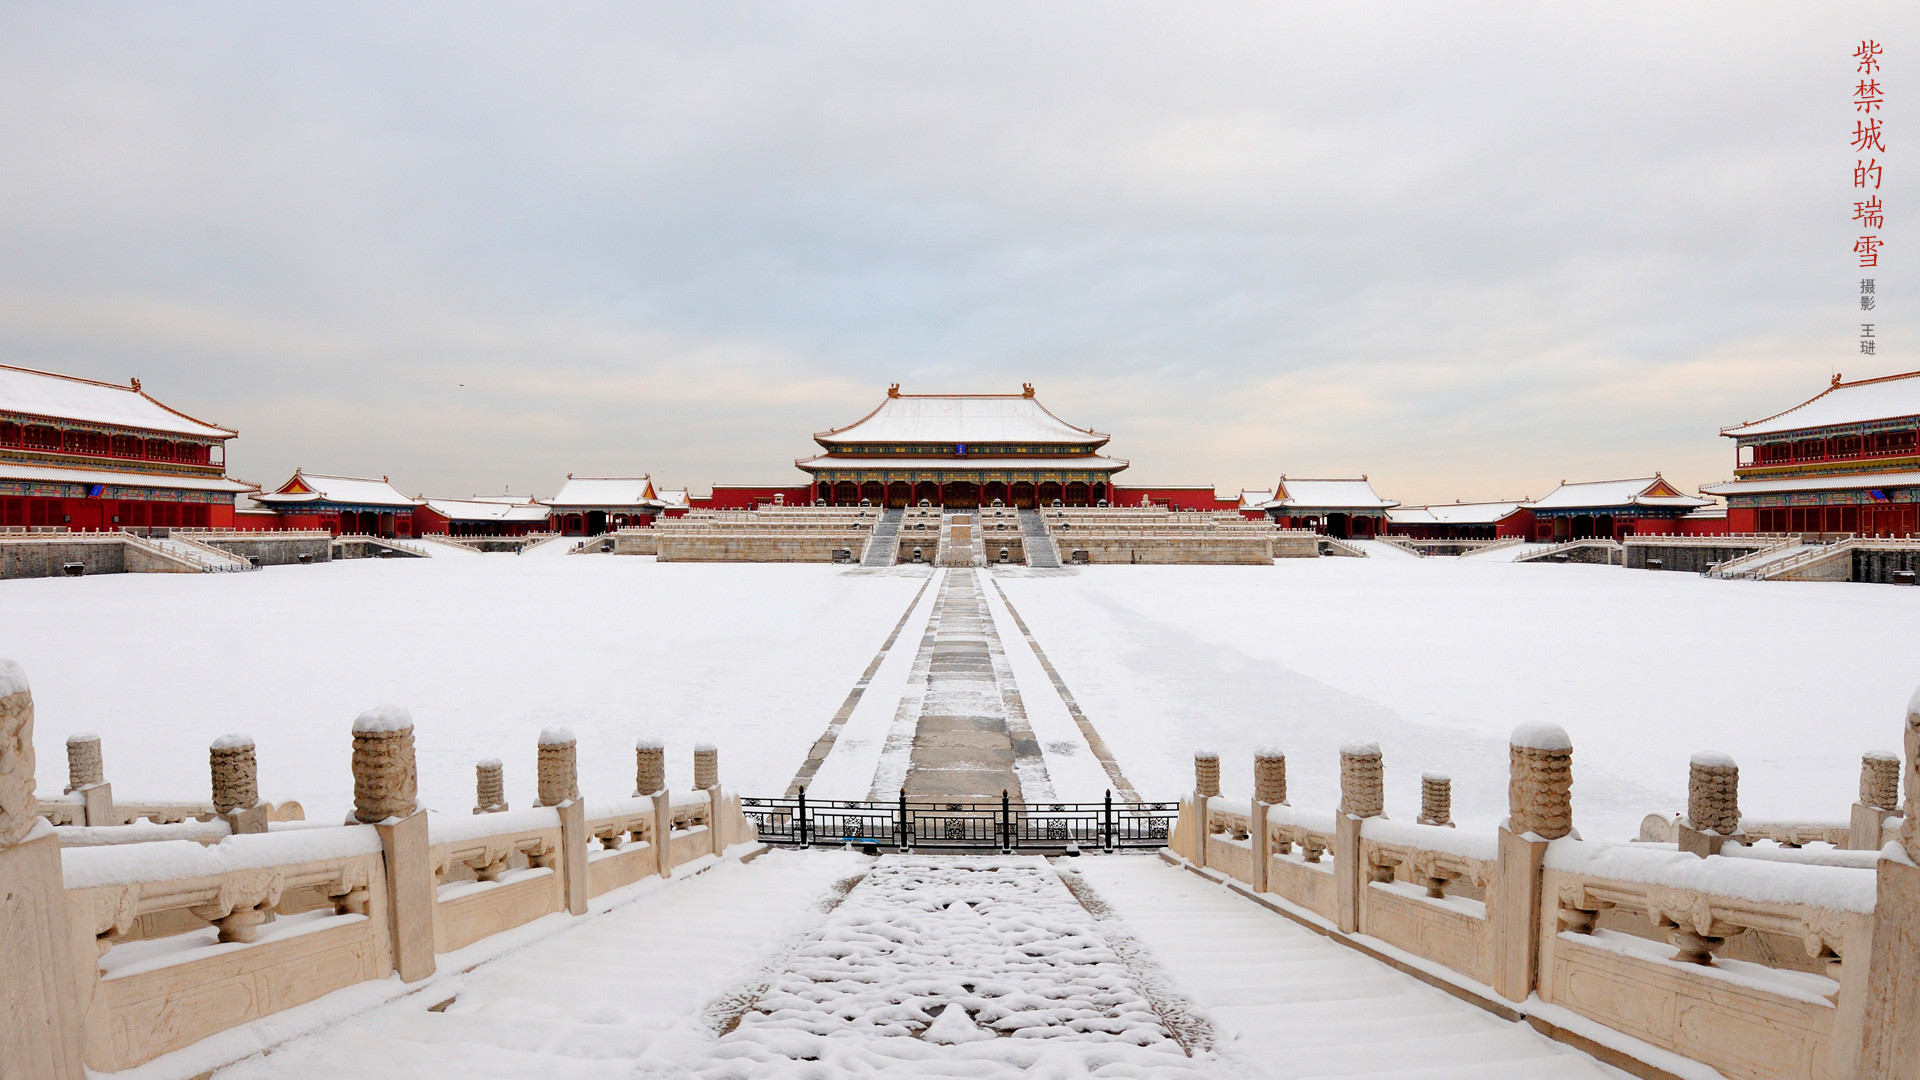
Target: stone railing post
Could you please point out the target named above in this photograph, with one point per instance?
(1713, 805)
(1890, 1040)
(489, 786)
(1436, 799)
(87, 774)
(1539, 811)
(1879, 799)
(42, 1028)
(559, 781)
(649, 766)
(1269, 789)
(236, 784)
(706, 767)
(1206, 786)
(663, 832)
(1362, 790)
(385, 783)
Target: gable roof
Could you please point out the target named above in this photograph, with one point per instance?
(1885, 398)
(494, 509)
(306, 487)
(960, 418)
(1595, 494)
(1334, 494)
(590, 491)
(63, 397)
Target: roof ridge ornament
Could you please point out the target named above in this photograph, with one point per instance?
(894, 390)
(1836, 378)
(134, 382)
(1026, 390)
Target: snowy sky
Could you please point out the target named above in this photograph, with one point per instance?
(1467, 249)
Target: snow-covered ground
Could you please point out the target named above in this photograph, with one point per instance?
(484, 651)
(1439, 659)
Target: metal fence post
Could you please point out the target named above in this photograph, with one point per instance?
(905, 836)
(1106, 825)
(1006, 823)
(803, 818)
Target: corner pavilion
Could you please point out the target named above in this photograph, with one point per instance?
(961, 451)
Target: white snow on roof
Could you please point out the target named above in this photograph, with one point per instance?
(48, 474)
(1296, 494)
(605, 491)
(1851, 482)
(1844, 403)
(957, 418)
(1484, 513)
(40, 393)
(1601, 493)
(1254, 500)
(1035, 463)
(346, 490)
(487, 510)
(675, 498)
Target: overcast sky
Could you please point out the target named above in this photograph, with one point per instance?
(1465, 249)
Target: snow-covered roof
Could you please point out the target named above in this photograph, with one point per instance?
(487, 510)
(1595, 494)
(1254, 500)
(674, 498)
(1034, 463)
(1464, 513)
(1885, 398)
(1852, 482)
(593, 491)
(63, 397)
(49, 475)
(306, 487)
(1358, 494)
(960, 418)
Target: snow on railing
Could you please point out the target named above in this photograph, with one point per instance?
(1686, 923)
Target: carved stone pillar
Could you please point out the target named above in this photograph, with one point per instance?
(559, 775)
(42, 1028)
(236, 784)
(1879, 799)
(87, 775)
(1890, 1041)
(706, 767)
(1436, 799)
(1270, 776)
(1539, 811)
(489, 787)
(385, 783)
(1362, 786)
(649, 767)
(1206, 774)
(1713, 805)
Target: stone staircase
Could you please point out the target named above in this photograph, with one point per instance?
(209, 559)
(1037, 541)
(883, 547)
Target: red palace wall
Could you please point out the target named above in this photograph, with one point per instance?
(731, 497)
(106, 515)
(1175, 498)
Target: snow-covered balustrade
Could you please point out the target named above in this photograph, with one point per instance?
(112, 954)
(1872, 823)
(89, 803)
(1759, 962)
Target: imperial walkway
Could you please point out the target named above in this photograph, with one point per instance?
(831, 964)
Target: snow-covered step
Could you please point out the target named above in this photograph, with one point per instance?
(1289, 1003)
(589, 1002)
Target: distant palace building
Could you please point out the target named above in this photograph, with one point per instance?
(1844, 461)
(341, 504)
(1616, 509)
(960, 451)
(591, 505)
(1338, 508)
(94, 456)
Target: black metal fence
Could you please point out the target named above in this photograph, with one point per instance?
(1004, 826)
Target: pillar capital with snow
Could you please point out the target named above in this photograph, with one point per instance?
(385, 793)
(1539, 811)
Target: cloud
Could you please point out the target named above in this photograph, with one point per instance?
(1466, 248)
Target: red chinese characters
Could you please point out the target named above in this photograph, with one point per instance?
(1869, 144)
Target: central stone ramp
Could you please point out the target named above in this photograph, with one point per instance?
(962, 732)
(951, 967)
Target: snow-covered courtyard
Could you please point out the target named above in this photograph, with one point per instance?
(1436, 659)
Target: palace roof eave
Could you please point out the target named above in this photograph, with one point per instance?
(1065, 435)
(1899, 397)
(50, 474)
(173, 422)
(1814, 483)
(1033, 463)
